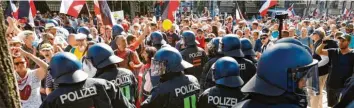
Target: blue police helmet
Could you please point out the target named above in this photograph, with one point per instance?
(83, 30)
(53, 21)
(247, 47)
(231, 46)
(157, 38)
(66, 68)
(117, 30)
(172, 58)
(272, 77)
(227, 72)
(213, 45)
(189, 38)
(294, 41)
(102, 55)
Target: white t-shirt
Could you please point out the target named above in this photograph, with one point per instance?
(29, 88)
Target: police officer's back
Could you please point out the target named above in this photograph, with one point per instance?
(247, 49)
(75, 90)
(227, 91)
(206, 80)
(103, 58)
(231, 46)
(175, 89)
(280, 83)
(193, 54)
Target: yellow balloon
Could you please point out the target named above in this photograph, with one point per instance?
(167, 24)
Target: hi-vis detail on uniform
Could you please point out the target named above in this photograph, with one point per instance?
(77, 95)
(186, 89)
(224, 101)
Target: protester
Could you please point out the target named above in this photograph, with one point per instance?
(305, 39)
(29, 80)
(341, 60)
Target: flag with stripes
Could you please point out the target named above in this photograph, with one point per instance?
(291, 11)
(105, 13)
(27, 9)
(268, 4)
(168, 7)
(11, 10)
(346, 12)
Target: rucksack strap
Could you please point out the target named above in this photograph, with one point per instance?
(72, 50)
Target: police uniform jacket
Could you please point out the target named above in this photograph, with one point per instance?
(206, 80)
(220, 96)
(285, 100)
(247, 68)
(196, 56)
(122, 78)
(91, 93)
(177, 91)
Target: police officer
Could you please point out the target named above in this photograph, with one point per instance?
(347, 96)
(175, 89)
(206, 80)
(85, 31)
(103, 58)
(157, 40)
(283, 71)
(193, 54)
(247, 50)
(75, 90)
(294, 41)
(227, 91)
(230, 45)
(117, 30)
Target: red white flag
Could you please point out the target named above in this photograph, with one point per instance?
(72, 7)
(268, 4)
(96, 7)
(346, 12)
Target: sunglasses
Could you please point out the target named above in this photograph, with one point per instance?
(17, 63)
(262, 38)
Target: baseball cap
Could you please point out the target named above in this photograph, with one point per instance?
(346, 37)
(49, 26)
(80, 36)
(46, 46)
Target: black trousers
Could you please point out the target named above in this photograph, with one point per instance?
(333, 96)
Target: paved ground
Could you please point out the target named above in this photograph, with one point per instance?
(324, 100)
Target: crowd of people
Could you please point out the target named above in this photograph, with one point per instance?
(62, 61)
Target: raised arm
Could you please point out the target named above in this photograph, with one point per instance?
(43, 66)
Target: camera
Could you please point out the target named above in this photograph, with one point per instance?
(281, 16)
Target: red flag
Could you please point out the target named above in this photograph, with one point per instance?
(72, 7)
(168, 8)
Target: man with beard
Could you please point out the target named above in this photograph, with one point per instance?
(342, 61)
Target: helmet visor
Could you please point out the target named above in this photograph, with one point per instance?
(158, 68)
(307, 81)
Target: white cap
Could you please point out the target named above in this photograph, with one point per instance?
(80, 36)
(49, 25)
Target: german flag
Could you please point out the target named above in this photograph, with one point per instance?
(168, 7)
